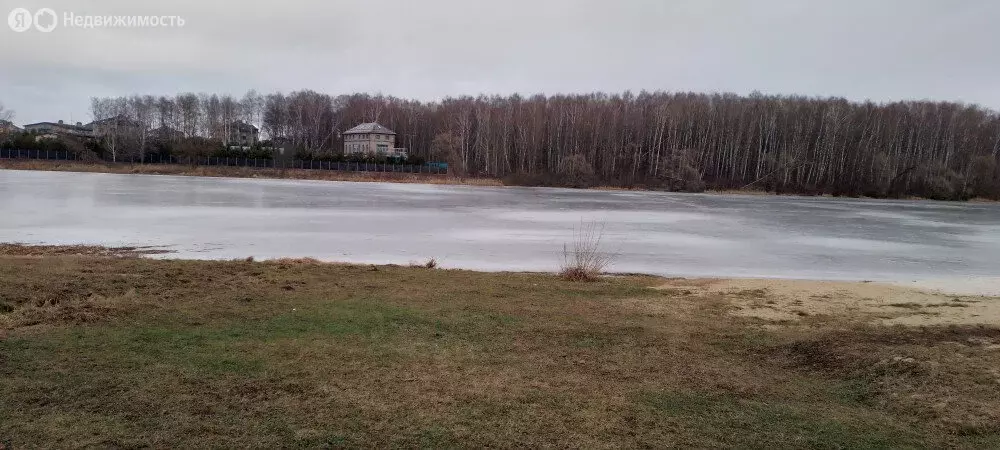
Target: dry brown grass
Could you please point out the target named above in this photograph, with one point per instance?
(243, 172)
(77, 250)
(586, 260)
(127, 352)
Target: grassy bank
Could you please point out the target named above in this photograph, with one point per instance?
(240, 172)
(111, 351)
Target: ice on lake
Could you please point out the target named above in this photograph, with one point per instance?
(505, 228)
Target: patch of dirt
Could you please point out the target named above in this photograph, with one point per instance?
(793, 301)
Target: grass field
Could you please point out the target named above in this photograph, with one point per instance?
(109, 351)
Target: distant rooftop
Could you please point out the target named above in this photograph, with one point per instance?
(370, 127)
(244, 127)
(61, 125)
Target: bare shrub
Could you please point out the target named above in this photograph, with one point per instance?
(680, 172)
(447, 147)
(575, 171)
(585, 261)
(429, 264)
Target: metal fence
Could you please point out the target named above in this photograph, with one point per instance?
(37, 154)
(236, 162)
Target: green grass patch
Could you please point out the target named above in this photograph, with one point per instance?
(721, 420)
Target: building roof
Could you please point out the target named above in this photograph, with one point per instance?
(163, 129)
(243, 127)
(119, 119)
(60, 125)
(370, 127)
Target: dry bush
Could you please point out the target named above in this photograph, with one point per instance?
(681, 173)
(585, 261)
(429, 264)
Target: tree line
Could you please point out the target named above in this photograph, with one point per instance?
(678, 141)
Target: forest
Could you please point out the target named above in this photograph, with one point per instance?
(659, 140)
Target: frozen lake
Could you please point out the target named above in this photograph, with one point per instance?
(504, 228)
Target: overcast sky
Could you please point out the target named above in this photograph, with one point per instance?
(427, 49)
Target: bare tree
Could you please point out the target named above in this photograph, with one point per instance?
(189, 112)
(447, 147)
(211, 116)
(141, 112)
(275, 116)
(111, 123)
(251, 108)
(6, 114)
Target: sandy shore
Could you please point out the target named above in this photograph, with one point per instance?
(972, 301)
(987, 286)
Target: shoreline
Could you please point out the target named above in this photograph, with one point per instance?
(365, 177)
(965, 286)
(239, 172)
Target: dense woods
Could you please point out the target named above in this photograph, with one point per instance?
(679, 141)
